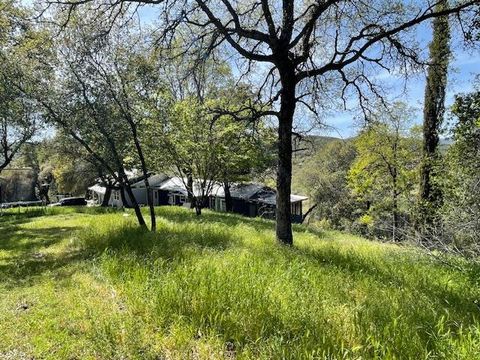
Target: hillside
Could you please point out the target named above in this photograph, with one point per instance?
(90, 285)
(309, 146)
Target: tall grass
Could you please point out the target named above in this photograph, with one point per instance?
(218, 286)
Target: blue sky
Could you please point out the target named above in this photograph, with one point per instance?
(463, 69)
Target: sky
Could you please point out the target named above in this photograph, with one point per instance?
(463, 69)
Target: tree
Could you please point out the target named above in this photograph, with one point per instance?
(90, 100)
(324, 177)
(383, 173)
(188, 144)
(247, 144)
(304, 47)
(18, 118)
(461, 176)
(61, 163)
(434, 108)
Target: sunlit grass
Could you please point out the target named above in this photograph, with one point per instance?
(87, 285)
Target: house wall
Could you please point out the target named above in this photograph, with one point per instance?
(140, 196)
(162, 197)
(115, 199)
(240, 206)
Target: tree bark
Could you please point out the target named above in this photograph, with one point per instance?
(143, 163)
(106, 197)
(190, 196)
(304, 217)
(394, 208)
(136, 207)
(125, 187)
(198, 207)
(228, 196)
(284, 168)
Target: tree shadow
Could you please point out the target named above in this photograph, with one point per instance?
(169, 242)
(27, 270)
(182, 215)
(389, 272)
(24, 260)
(17, 239)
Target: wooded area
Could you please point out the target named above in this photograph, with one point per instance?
(211, 90)
(167, 191)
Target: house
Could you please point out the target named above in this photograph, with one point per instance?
(248, 199)
(98, 191)
(252, 200)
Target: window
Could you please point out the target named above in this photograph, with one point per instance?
(116, 195)
(175, 199)
(223, 205)
(297, 208)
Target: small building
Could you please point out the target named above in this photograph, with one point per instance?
(252, 200)
(248, 199)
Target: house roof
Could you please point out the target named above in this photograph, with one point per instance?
(245, 191)
(256, 192)
(154, 181)
(99, 189)
(174, 184)
(272, 199)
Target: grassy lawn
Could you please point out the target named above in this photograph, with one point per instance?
(90, 285)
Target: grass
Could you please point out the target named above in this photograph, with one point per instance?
(90, 285)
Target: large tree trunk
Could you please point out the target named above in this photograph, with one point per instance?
(190, 195)
(125, 187)
(228, 196)
(430, 194)
(284, 168)
(106, 197)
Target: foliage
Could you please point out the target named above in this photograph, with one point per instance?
(208, 135)
(433, 113)
(18, 116)
(89, 284)
(461, 177)
(384, 173)
(324, 177)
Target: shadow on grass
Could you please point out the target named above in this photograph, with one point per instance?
(24, 260)
(185, 234)
(395, 271)
(21, 215)
(169, 242)
(182, 215)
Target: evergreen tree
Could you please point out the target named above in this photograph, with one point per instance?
(434, 108)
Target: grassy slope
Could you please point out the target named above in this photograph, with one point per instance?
(84, 286)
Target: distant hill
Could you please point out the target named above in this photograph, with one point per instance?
(309, 146)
